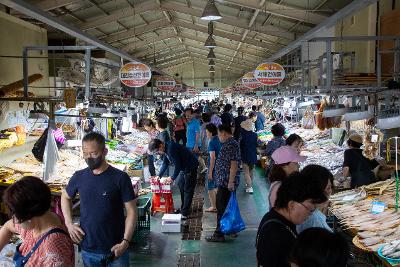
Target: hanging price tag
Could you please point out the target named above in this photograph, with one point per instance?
(374, 138)
(378, 207)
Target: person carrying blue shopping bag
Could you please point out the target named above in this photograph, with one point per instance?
(226, 174)
(231, 221)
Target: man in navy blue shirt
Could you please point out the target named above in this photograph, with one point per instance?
(184, 161)
(104, 232)
(260, 122)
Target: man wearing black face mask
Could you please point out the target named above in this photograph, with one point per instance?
(104, 193)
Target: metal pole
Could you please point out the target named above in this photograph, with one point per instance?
(379, 69)
(25, 71)
(329, 67)
(396, 61)
(87, 74)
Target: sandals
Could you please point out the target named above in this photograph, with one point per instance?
(211, 209)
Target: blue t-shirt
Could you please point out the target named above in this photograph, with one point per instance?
(193, 127)
(102, 199)
(214, 145)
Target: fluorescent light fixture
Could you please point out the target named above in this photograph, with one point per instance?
(211, 12)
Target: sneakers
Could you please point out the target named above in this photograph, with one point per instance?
(249, 190)
(215, 238)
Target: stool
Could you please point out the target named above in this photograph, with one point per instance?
(162, 202)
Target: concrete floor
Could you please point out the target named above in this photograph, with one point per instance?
(163, 249)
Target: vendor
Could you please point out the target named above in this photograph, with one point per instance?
(356, 165)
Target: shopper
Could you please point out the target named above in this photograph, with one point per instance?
(286, 162)
(356, 165)
(325, 180)
(192, 131)
(45, 239)
(278, 131)
(226, 173)
(215, 118)
(260, 122)
(184, 161)
(248, 150)
(150, 128)
(104, 192)
(318, 247)
(205, 119)
(277, 234)
(227, 117)
(238, 120)
(163, 135)
(214, 146)
(295, 141)
(179, 127)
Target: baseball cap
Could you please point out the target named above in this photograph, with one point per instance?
(286, 154)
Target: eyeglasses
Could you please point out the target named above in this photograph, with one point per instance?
(307, 208)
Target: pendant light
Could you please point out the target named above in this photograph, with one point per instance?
(211, 54)
(211, 63)
(212, 69)
(210, 42)
(211, 12)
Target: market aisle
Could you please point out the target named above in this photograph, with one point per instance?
(240, 251)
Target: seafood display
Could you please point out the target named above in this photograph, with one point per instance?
(353, 208)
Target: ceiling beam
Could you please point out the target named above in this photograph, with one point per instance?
(229, 20)
(219, 44)
(45, 17)
(280, 10)
(163, 23)
(171, 58)
(115, 16)
(48, 5)
(219, 59)
(244, 35)
(147, 43)
(229, 36)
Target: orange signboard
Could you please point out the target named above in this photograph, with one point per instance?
(135, 74)
(269, 73)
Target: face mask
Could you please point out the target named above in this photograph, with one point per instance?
(94, 163)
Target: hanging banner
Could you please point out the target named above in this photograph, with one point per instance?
(269, 73)
(135, 74)
(238, 86)
(165, 83)
(250, 81)
(192, 91)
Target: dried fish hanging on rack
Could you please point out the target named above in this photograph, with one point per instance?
(323, 122)
(372, 140)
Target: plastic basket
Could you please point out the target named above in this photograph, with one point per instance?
(142, 230)
(390, 260)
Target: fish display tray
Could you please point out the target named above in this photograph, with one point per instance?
(390, 260)
(356, 242)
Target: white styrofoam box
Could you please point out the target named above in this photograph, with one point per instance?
(170, 227)
(172, 217)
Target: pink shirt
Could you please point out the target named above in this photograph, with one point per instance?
(56, 250)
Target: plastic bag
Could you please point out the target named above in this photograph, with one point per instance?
(40, 146)
(231, 221)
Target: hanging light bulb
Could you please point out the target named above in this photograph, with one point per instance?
(210, 11)
(212, 69)
(210, 42)
(211, 54)
(211, 62)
